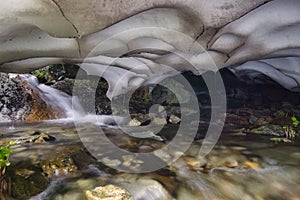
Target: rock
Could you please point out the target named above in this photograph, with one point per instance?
(59, 166)
(144, 188)
(108, 192)
(85, 89)
(35, 137)
(27, 180)
(159, 121)
(269, 129)
(231, 164)
(194, 163)
(252, 164)
(39, 109)
(174, 119)
(111, 162)
(134, 122)
(13, 99)
(65, 85)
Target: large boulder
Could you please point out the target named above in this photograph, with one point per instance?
(20, 100)
(13, 99)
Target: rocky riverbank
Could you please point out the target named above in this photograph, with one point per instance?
(50, 162)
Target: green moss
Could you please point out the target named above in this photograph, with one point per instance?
(4, 157)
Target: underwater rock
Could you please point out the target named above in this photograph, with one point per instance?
(27, 180)
(108, 192)
(35, 137)
(60, 166)
(143, 187)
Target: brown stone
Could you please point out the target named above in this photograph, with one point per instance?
(39, 110)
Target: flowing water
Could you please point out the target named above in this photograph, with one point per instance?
(50, 161)
(59, 167)
(53, 97)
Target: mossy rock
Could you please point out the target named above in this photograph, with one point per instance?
(27, 181)
(269, 129)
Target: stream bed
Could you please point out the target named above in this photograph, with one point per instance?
(50, 162)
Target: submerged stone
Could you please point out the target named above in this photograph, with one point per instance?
(108, 192)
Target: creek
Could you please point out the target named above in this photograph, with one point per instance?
(50, 160)
(239, 167)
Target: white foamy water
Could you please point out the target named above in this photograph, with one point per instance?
(54, 97)
(67, 104)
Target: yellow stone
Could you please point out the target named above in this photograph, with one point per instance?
(252, 165)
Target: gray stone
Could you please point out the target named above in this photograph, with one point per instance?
(13, 99)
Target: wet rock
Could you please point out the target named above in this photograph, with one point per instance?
(27, 180)
(269, 129)
(252, 165)
(59, 167)
(53, 73)
(108, 192)
(143, 188)
(231, 164)
(64, 86)
(194, 163)
(82, 159)
(184, 194)
(174, 119)
(85, 89)
(13, 99)
(160, 121)
(39, 109)
(134, 122)
(111, 162)
(219, 157)
(35, 137)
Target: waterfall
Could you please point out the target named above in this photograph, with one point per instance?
(68, 105)
(54, 98)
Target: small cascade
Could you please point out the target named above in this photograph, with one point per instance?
(48, 103)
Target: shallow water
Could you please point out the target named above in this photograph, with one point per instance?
(50, 162)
